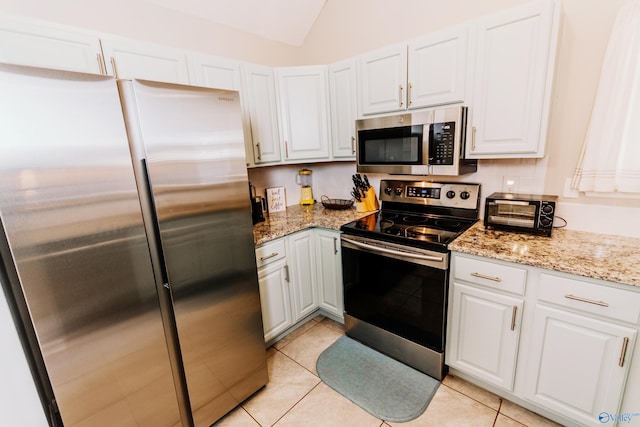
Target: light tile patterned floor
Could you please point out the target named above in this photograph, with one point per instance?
(295, 396)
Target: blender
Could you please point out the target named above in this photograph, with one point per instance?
(304, 180)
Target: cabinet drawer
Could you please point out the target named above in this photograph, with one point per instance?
(489, 274)
(270, 252)
(590, 297)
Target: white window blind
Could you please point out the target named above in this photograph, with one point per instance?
(610, 159)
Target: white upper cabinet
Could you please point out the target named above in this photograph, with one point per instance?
(343, 103)
(513, 63)
(304, 112)
(437, 68)
(382, 76)
(214, 72)
(128, 59)
(26, 42)
(259, 91)
(430, 70)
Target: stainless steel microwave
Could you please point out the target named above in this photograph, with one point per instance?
(427, 142)
(526, 213)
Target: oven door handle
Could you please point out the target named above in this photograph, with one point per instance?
(392, 252)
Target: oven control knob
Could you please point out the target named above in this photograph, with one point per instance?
(465, 195)
(388, 190)
(451, 194)
(398, 191)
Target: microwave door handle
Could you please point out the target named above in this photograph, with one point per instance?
(392, 252)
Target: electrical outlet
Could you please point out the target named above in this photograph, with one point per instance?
(509, 184)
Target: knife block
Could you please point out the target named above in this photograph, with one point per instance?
(369, 202)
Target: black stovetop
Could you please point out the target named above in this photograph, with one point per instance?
(413, 229)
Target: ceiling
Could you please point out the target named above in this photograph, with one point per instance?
(286, 21)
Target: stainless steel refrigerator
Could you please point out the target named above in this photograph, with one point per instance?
(127, 247)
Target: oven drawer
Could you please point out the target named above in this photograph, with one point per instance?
(270, 252)
(590, 297)
(489, 274)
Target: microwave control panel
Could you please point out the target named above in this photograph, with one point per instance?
(441, 143)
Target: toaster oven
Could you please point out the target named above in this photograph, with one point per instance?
(528, 213)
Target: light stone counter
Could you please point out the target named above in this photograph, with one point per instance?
(297, 218)
(599, 256)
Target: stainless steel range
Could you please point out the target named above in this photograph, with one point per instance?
(396, 269)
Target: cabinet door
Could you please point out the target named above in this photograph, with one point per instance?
(342, 97)
(28, 43)
(437, 68)
(274, 298)
(484, 332)
(578, 364)
(214, 72)
(329, 262)
(302, 267)
(513, 69)
(304, 112)
(129, 59)
(383, 75)
(259, 89)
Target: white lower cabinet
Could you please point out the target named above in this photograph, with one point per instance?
(273, 279)
(488, 328)
(329, 265)
(275, 300)
(558, 344)
(298, 275)
(578, 366)
(301, 259)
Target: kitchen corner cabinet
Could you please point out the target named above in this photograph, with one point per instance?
(301, 260)
(512, 69)
(303, 96)
(128, 59)
(329, 263)
(27, 42)
(430, 70)
(258, 83)
(273, 280)
(299, 274)
(343, 109)
(573, 343)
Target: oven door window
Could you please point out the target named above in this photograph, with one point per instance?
(391, 146)
(401, 297)
(516, 214)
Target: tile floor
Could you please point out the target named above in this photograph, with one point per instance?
(295, 395)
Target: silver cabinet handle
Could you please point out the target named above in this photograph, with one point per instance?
(335, 245)
(623, 353)
(286, 273)
(353, 145)
(409, 94)
(115, 69)
(264, 258)
(286, 149)
(482, 276)
(473, 138)
(259, 151)
(513, 317)
(101, 66)
(401, 102)
(590, 301)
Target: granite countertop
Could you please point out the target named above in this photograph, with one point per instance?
(297, 218)
(599, 256)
